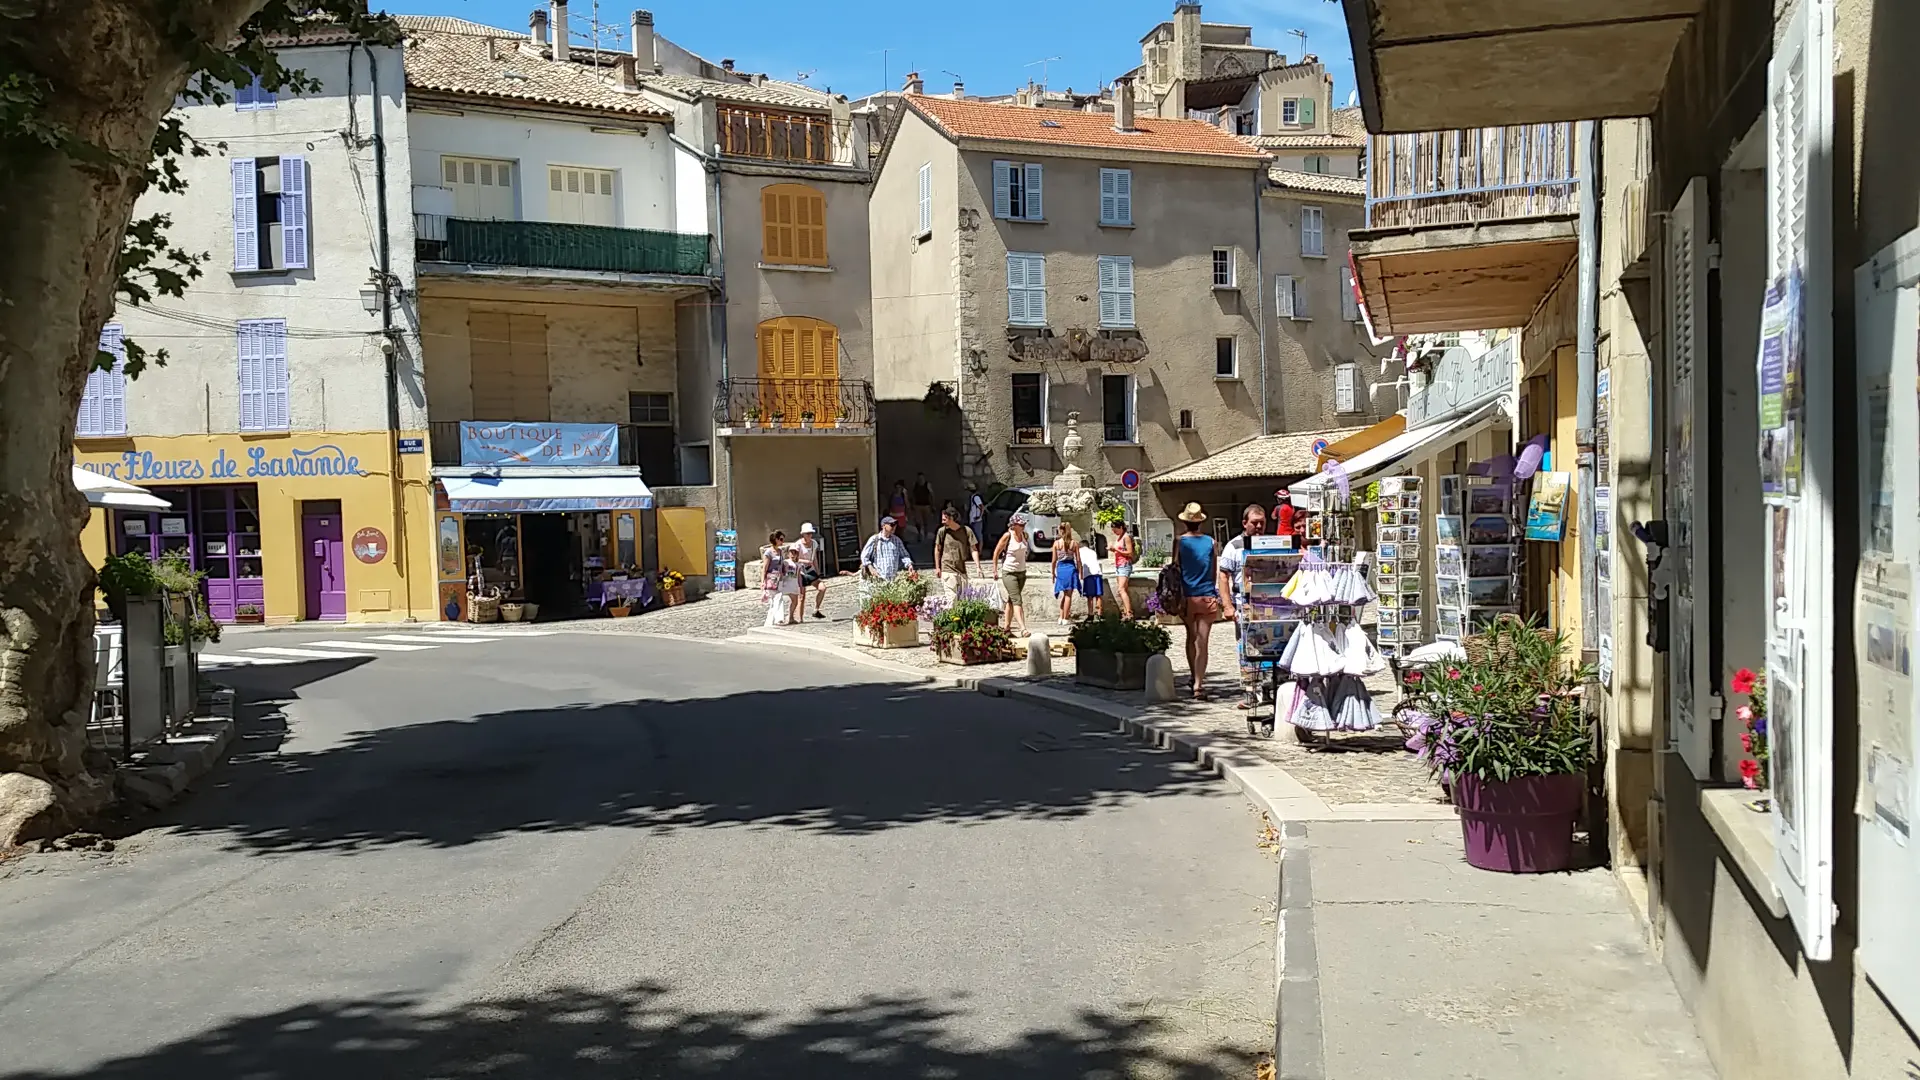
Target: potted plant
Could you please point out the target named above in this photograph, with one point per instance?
(777, 417)
(969, 632)
(753, 416)
(1112, 652)
(1504, 730)
(249, 614)
(620, 610)
(806, 420)
(125, 576)
(1753, 737)
(890, 616)
(673, 588)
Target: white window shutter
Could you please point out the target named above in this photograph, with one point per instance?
(1283, 295)
(1349, 305)
(1346, 388)
(274, 375)
(1037, 288)
(293, 209)
(1123, 291)
(926, 197)
(252, 414)
(1123, 195)
(1133, 408)
(1300, 307)
(1691, 684)
(1002, 189)
(1109, 203)
(1109, 303)
(246, 216)
(1033, 193)
(91, 403)
(1016, 290)
(113, 382)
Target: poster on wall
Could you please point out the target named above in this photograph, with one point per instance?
(1547, 508)
(725, 555)
(1782, 395)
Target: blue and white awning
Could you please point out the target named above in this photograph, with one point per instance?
(506, 494)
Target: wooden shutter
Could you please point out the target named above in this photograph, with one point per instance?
(103, 406)
(1306, 111)
(1349, 304)
(1109, 303)
(1032, 192)
(1689, 462)
(1003, 189)
(490, 347)
(532, 387)
(1346, 388)
(276, 410)
(246, 215)
(810, 227)
(293, 210)
(794, 225)
(776, 215)
(252, 382)
(1109, 201)
(926, 197)
(1283, 296)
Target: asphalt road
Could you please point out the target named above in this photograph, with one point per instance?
(606, 856)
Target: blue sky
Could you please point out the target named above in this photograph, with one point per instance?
(843, 50)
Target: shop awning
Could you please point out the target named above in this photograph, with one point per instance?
(507, 494)
(103, 490)
(1410, 447)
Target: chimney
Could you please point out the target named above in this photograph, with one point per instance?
(1186, 41)
(914, 83)
(643, 54)
(623, 68)
(1123, 103)
(1023, 97)
(538, 23)
(559, 29)
(727, 64)
(959, 90)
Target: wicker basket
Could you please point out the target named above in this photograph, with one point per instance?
(485, 607)
(1484, 647)
(511, 612)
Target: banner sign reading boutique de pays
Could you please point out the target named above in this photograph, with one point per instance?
(509, 445)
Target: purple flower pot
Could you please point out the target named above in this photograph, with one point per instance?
(1519, 826)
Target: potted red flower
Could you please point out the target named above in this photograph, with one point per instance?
(1753, 734)
(890, 617)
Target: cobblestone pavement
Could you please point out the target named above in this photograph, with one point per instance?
(1371, 767)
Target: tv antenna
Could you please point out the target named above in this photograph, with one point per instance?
(1302, 35)
(1042, 64)
(803, 76)
(597, 34)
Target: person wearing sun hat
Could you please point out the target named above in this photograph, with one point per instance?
(808, 555)
(1198, 558)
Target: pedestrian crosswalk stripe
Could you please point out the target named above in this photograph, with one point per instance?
(376, 646)
(436, 639)
(496, 634)
(306, 654)
(218, 660)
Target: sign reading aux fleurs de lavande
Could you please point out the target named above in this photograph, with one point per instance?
(508, 445)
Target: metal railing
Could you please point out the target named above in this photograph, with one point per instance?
(792, 404)
(556, 246)
(795, 138)
(1461, 381)
(1473, 175)
(443, 441)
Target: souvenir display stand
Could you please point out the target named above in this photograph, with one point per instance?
(1301, 627)
(1402, 611)
(1485, 567)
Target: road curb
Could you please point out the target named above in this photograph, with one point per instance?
(1299, 1034)
(168, 769)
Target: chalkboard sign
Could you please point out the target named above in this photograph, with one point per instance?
(845, 550)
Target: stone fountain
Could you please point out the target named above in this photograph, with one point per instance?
(1073, 497)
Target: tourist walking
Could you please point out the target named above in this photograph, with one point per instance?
(1092, 582)
(1198, 558)
(976, 513)
(953, 547)
(1010, 555)
(885, 554)
(810, 557)
(1233, 583)
(1284, 513)
(1125, 551)
(779, 580)
(1066, 570)
(897, 504)
(922, 496)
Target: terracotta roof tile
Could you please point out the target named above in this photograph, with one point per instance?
(1273, 456)
(461, 63)
(447, 24)
(1320, 141)
(1348, 122)
(1013, 123)
(1319, 183)
(774, 93)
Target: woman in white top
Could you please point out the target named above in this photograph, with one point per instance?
(807, 557)
(1010, 555)
(781, 581)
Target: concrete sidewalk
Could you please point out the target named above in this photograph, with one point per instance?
(1398, 960)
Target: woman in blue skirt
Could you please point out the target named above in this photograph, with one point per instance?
(1066, 570)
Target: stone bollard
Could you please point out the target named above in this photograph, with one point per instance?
(1159, 679)
(1039, 655)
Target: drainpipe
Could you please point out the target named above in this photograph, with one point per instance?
(1585, 349)
(720, 272)
(388, 344)
(1259, 294)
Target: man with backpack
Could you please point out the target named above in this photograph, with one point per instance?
(1233, 582)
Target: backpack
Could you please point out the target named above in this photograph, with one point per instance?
(1172, 588)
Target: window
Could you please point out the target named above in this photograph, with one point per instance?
(482, 188)
(103, 407)
(778, 136)
(1349, 301)
(649, 408)
(799, 369)
(580, 196)
(793, 225)
(1026, 289)
(263, 375)
(1116, 408)
(1116, 291)
(926, 199)
(253, 96)
(1243, 124)
(1313, 237)
(1318, 163)
(1346, 388)
(1226, 358)
(1289, 297)
(1029, 408)
(1116, 196)
(1297, 111)
(1186, 419)
(1223, 268)
(1016, 191)
(270, 213)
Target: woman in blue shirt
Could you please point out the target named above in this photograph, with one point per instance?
(1199, 557)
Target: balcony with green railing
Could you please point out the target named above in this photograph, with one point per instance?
(547, 245)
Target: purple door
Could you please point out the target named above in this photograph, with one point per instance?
(323, 545)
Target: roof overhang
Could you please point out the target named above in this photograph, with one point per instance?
(1405, 450)
(1422, 279)
(1429, 65)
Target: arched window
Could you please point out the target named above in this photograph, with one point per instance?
(793, 220)
(799, 369)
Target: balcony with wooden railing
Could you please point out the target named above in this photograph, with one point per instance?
(1467, 229)
(787, 138)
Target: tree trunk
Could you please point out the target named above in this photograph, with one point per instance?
(114, 68)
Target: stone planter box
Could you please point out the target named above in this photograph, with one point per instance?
(1115, 671)
(952, 656)
(898, 636)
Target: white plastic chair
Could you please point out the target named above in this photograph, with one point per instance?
(109, 654)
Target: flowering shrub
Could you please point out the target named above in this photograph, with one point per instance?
(1111, 633)
(671, 578)
(971, 626)
(1753, 770)
(879, 614)
(1514, 713)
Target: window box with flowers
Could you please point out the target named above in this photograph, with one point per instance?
(968, 631)
(890, 616)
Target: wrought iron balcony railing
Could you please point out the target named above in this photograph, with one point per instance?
(1471, 176)
(794, 404)
(556, 246)
(1460, 382)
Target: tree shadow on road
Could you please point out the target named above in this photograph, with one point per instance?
(640, 1033)
(838, 759)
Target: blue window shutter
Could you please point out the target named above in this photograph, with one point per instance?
(252, 411)
(113, 383)
(246, 216)
(1123, 291)
(293, 210)
(1033, 193)
(1037, 288)
(273, 370)
(1109, 202)
(1108, 284)
(1016, 289)
(1002, 184)
(1123, 195)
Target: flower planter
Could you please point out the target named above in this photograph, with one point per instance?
(673, 595)
(1519, 826)
(952, 655)
(897, 636)
(619, 611)
(1115, 671)
(251, 618)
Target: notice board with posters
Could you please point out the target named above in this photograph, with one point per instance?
(840, 518)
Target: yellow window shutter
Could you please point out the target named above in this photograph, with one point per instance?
(769, 352)
(815, 230)
(769, 225)
(829, 353)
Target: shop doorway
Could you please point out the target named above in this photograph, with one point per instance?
(323, 550)
(552, 563)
